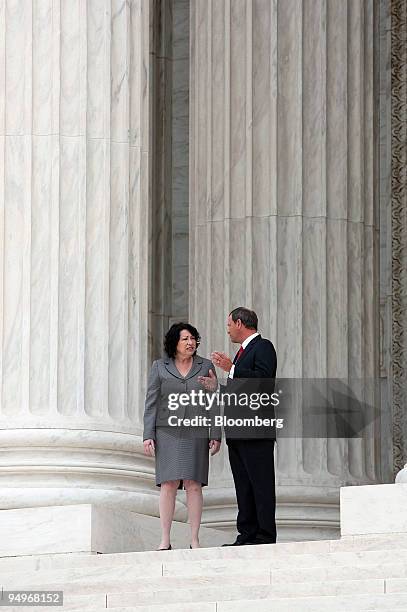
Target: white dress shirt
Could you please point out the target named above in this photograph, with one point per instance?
(243, 345)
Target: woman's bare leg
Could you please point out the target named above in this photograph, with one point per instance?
(168, 493)
(194, 505)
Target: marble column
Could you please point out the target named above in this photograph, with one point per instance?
(283, 217)
(169, 261)
(74, 244)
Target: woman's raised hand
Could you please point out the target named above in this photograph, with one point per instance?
(209, 382)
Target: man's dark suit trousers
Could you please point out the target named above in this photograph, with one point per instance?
(252, 463)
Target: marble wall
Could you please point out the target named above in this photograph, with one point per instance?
(284, 215)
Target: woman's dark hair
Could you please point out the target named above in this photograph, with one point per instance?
(173, 335)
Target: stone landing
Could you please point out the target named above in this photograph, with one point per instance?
(359, 572)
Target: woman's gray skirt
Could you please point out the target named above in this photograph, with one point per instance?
(181, 454)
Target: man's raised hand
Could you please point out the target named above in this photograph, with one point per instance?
(221, 360)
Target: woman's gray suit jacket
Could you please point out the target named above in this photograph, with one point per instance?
(181, 452)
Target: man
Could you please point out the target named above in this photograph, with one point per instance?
(251, 458)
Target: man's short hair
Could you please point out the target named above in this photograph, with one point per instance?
(248, 317)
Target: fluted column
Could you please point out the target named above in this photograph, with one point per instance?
(283, 216)
(74, 243)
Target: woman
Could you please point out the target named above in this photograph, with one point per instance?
(181, 452)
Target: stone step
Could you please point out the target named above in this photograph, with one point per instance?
(106, 585)
(396, 585)
(96, 607)
(265, 602)
(339, 572)
(208, 581)
(303, 568)
(341, 603)
(283, 577)
(281, 554)
(96, 601)
(127, 585)
(256, 592)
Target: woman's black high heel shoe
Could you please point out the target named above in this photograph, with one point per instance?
(169, 548)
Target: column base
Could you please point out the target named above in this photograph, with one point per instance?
(58, 467)
(303, 512)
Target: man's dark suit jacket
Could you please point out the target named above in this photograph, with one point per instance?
(254, 374)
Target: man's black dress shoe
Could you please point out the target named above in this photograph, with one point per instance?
(238, 543)
(257, 540)
(261, 539)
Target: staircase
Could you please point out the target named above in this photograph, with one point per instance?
(354, 573)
